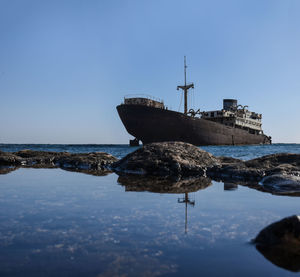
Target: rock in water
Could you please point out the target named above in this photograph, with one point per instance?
(280, 243)
(177, 159)
(167, 159)
(87, 161)
(276, 163)
(93, 163)
(281, 184)
(256, 169)
(9, 159)
(38, 158)
(284, 231)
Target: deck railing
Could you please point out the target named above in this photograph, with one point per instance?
(147, 96)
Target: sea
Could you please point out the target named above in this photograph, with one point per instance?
(60, 223)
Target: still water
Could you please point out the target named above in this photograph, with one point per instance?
(60, 223)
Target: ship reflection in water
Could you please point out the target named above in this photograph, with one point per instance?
(187, 201)
(284, 256)
(163, 185)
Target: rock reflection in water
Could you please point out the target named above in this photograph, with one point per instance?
(280, 243)
(275, 188)
(284, 257)
(95, 172)
(7, 169)
(230, 186)
(91, 171)
(163, 185)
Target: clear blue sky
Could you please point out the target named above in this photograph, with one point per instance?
(65, 65)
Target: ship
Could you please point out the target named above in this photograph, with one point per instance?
(148, 120)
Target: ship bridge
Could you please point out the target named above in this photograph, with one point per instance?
(235, 116)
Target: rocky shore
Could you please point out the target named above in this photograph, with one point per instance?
(276, 173)
(93, 163)
(176, 159)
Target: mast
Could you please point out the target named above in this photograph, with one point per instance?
(185, 88)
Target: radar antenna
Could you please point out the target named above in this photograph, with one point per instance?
(185, 88)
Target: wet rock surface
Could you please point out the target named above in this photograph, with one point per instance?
(88, 161)
(9, 159)
(183, 159)
(282, 184)
(282, 162)
(92, 163)
(167, 159)
(280, 243)
(277, 172)
(256, 169)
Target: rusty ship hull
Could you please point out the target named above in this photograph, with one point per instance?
(150, 124)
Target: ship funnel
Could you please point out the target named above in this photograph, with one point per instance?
(229, 104)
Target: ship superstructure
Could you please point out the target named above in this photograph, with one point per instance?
(236, 116)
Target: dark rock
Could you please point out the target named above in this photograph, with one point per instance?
(91, 163)
(280, 243)
(7, 159)
(167, 159)
(281, 184)
(163, 185)
(182, 159)
(88, 161)
(273, 160)
(229, 160)
(172, 159)
(236, 171)
(276, 163)
(40, 158)
(256, 169)
(27, 153)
